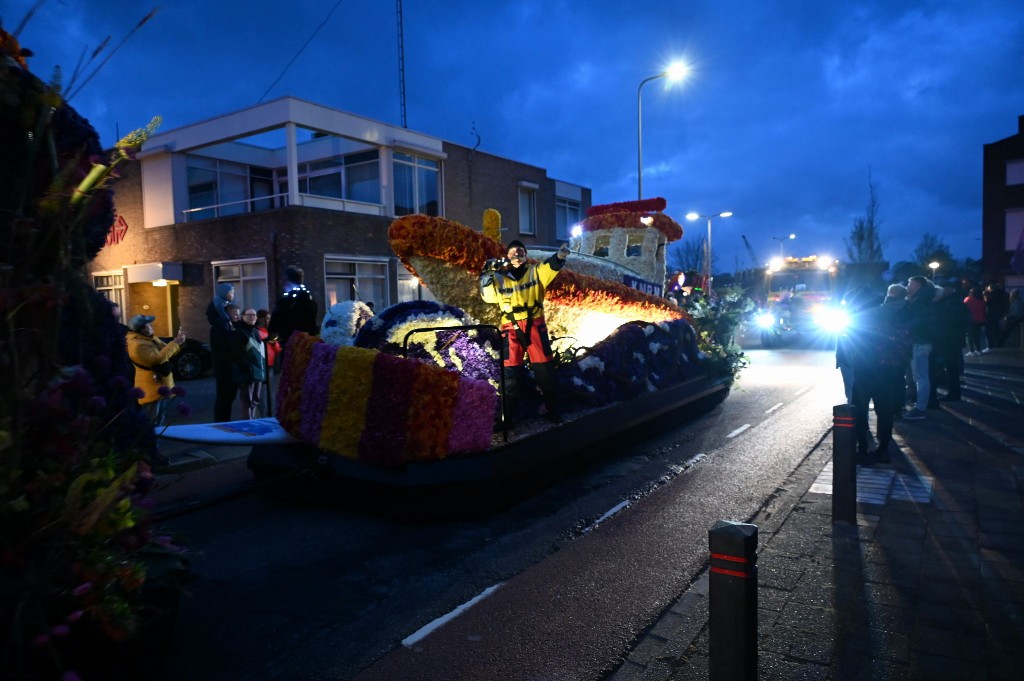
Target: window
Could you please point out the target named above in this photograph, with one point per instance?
(1014, 229)
(354, 177)
(567, 214)
(110, 285)
(249, 278)
(527, 208)
(409, 288)
(218, 188)
(416, 185)
(1015, 172)
(356, 279)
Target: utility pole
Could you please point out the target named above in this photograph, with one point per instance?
(401, 61)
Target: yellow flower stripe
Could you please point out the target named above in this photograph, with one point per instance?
(345, 417)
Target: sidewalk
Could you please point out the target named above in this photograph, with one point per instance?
(928, 585)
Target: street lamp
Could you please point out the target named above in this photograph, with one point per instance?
(707, 246)
(676, 72)
(782, 240)
(935, 266)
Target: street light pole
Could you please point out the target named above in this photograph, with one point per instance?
(934, 267)
(674, 73)
(782, 240)
(707, 245)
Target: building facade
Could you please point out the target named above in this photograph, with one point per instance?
(241, 197)
(1002, 212)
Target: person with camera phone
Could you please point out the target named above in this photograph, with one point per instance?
(517, 287)
(150, 356)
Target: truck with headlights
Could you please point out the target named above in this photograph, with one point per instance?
(801, 301)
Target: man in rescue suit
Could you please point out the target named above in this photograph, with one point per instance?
(518, 287)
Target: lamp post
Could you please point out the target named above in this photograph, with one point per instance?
(676, 72)
(782, 240)
(707, 246)
(934, 265)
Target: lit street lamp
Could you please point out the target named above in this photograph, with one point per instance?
(676, 72)
(707, 246)
(935, 267)
(782, 240)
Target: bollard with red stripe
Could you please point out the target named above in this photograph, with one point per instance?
(844, 465)
(733, 601)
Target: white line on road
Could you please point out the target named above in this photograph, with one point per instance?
(608, 514)
(425, 631)
(801, 392)
(774, 408)
(738, 430)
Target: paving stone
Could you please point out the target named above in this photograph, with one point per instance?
(930, 640)
(939, 667)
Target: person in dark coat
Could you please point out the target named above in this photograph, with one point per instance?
(295, 311)
(951, 319)
(877, 349)
(221, 329)
(920, 294)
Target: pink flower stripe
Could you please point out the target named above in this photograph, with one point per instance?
(473, 417)
(384, 436)
(315, 389)
(351, 384)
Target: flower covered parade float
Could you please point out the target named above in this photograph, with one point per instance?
(412, 397)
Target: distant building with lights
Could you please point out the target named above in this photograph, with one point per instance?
(1002, 213)
(240, 197)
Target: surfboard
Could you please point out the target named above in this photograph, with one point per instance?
(256, 431)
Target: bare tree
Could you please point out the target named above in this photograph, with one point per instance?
(687, 255)
(932, 249)
(865, 242)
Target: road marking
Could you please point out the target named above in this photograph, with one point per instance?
(426, 630)
(798, 393)
(738, 430)
(878, 485)
(774, 408)
(607, 514)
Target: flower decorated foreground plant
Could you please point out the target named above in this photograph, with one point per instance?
(80, 560)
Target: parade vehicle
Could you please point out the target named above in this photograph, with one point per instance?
(412, 397)
(801, 301)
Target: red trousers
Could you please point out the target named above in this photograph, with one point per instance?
(531, 339)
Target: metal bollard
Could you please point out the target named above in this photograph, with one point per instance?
(733, 601)
(844, 465)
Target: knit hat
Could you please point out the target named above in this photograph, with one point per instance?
(138, 321)
(224, 288)
(515, 243)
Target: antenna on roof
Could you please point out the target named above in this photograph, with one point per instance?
(301, 49)
(401, 62)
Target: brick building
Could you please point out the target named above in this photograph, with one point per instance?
(240, 197)
(1002, 213)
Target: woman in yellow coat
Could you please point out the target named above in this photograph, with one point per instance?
(148, 353)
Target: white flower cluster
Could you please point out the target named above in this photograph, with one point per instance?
(343, 320)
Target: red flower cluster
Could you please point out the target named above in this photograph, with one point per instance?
(631, 220)
(590, 293)
(655, 205)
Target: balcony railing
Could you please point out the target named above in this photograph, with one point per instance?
(272, 201)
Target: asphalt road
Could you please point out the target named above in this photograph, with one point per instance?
(291, 590)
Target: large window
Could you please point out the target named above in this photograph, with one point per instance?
(527, 208)
(1015, 172)
(356, 279)
(249, 278)
(217, 188)
(416, 185)
(567, 214)
(353, 177)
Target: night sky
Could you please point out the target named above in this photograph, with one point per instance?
(789, 108)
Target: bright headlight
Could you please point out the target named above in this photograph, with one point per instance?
(832, 319)
(765, 320)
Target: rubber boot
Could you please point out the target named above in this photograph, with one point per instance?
(547, 381)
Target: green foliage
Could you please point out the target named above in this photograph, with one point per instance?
(716, 324)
